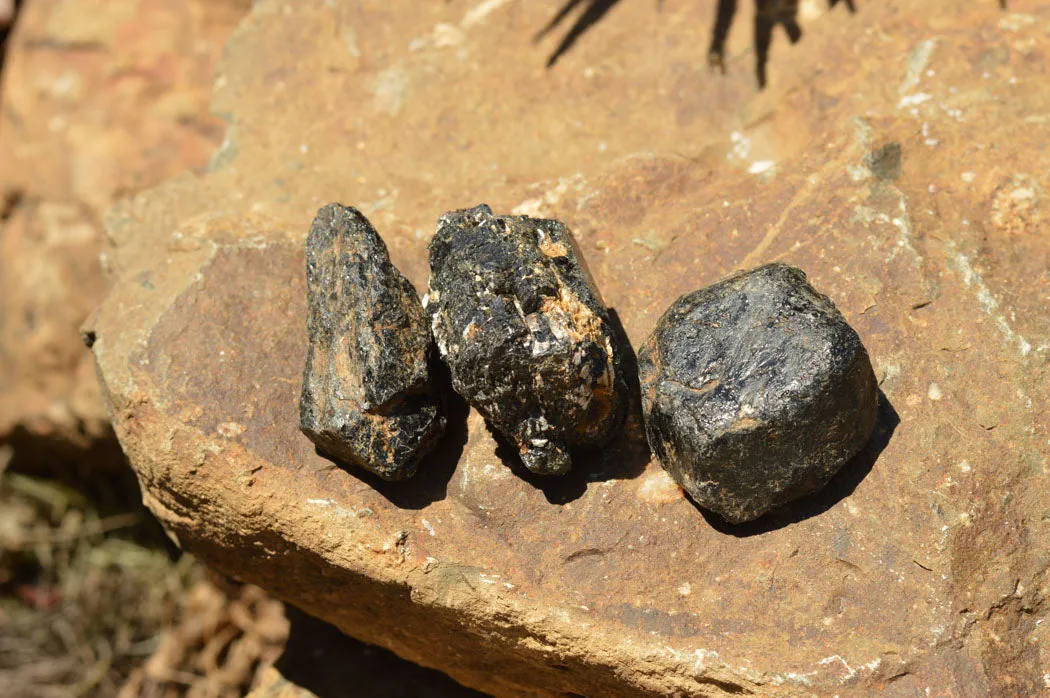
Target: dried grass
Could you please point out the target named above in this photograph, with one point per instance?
(91, 604)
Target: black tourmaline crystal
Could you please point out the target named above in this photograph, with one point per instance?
(368, 397)
(755, 391)
(525, 334)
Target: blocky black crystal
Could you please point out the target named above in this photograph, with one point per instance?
(755, 391)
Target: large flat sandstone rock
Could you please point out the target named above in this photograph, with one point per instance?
(899, 158)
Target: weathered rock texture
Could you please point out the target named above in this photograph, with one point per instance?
(756, 391)
(100, 98)
(525, 334)
(368, 397)
(925, 566)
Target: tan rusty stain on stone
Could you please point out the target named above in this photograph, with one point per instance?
(657, 487)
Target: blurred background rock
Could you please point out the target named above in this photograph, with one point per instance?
(100, 98)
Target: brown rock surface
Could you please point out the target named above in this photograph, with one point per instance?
(100, 98)
(900, 158)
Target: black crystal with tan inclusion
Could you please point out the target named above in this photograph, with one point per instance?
(525, 334)
(755, 391)
(368, 395)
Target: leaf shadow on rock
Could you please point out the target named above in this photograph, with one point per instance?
(838, 488)
(592, 13)
(769, 14)
(623, 458)
(430, 483)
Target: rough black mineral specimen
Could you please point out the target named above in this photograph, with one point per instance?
(525, 334)
(368, 397)
(755, 391)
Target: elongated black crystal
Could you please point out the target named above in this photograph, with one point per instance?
(368, 397)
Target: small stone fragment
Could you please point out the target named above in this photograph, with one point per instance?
(755, 391)
(368, 395)
(525, 333)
